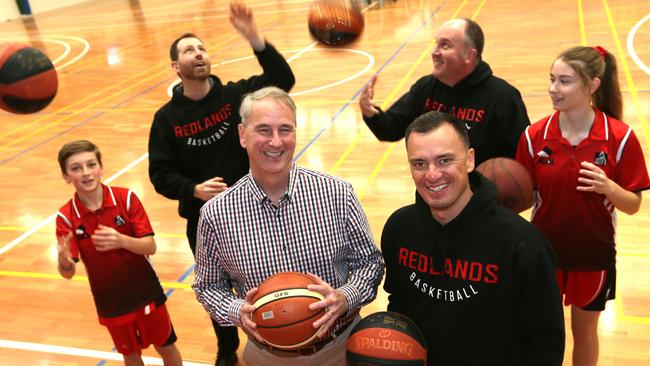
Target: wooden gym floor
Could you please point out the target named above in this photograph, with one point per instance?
(113, 67)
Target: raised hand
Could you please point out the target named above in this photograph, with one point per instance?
(241, 17)
(365, 101)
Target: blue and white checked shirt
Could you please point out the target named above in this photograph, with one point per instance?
(318, 226)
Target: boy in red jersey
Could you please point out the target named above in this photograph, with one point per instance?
(109, 229)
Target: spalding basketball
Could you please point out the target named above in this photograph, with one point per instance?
(28, 80)
(513, 183)
(282, 310)
(386, 338)
(335, 22)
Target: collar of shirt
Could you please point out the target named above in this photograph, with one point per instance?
(599, 130)
(261, 197)
(108, 201)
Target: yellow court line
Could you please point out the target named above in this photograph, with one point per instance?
(628, 75)
(141, 79)
(79, 278)
(581, 20)
(389, 150)
(618, 309)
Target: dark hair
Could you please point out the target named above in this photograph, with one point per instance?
(474, 37)
(590, 64)
(173, 49)
(432, 121)
(75, 147)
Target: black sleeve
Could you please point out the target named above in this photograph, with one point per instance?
(276, 72)
(164, 165)
(539, 315)
(391, 124)
(513, 118)
(388, 242)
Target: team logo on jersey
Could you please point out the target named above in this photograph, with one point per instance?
(544, 156)
(80, 232)
(600, 158)
(119, 221)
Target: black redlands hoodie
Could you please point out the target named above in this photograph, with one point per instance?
(481, 288)
(491, 109)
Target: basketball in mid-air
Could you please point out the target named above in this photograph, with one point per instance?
(282, 310)
(386, 338)
(513, 183)
(28, 80)
(335, 22)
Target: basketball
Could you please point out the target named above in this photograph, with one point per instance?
(513, 183)
(28, 80)
(282, 310)
(335, 22)
(386, 338)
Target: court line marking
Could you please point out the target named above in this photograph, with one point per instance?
(630, 45)
(79, 278)
(81, 352)
(628, 76)
(66, 46)
(581, 21)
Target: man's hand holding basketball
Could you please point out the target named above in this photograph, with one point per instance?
(246, 315)
(334, 303)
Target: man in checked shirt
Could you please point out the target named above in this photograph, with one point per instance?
(281, 217)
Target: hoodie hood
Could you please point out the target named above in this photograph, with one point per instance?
(179, 98)
(479, 75)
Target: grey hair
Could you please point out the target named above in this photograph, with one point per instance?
(278, 95)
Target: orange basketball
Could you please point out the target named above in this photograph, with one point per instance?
(28, 80)
(386, 338)
(514, 185)
(335, 22)
(282, 310)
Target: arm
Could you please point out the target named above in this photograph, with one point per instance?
(391, 124)
(391, 287)
(241, 17)
(539, 313)
(595, 179)
(513, 121)
(366, 266)
(164, 165)
(66, 264)
(106, 238)
(212, 283)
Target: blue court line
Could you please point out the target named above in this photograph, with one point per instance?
(345, 106)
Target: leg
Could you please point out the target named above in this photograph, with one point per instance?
(170, 355)
(227, 337)
(133, 359)
(584, 326)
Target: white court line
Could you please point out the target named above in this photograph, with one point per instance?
(36, 227)
(630, 45)
(81, 352)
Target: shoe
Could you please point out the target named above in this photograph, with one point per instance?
(228, 360)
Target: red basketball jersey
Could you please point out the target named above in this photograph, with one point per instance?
(121, 281)
(580, 225)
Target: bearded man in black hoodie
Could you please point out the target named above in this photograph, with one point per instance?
(478, 279)
(194, 150)
(462, 84)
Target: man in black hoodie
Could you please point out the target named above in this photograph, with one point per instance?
(462, 84)
(477, 278)
(194, 150)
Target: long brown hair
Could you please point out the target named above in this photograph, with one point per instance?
(596, 62)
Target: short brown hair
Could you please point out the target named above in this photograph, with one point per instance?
(173, 49)
(75, 147)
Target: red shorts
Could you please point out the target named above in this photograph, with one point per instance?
(139, 329)
(588, 290)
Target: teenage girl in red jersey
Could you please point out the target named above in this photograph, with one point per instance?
(584, 163)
